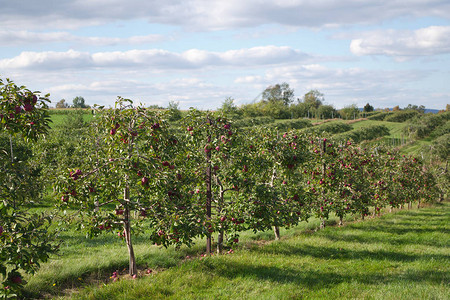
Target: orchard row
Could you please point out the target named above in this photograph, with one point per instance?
(206, 177)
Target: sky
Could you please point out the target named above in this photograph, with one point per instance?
(197, 53)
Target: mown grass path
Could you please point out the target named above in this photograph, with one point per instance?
(405, 255)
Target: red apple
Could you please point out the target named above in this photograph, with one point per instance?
(17, 279)
(28, 107)
(144, 180)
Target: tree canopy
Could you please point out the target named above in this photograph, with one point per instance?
(278, 93)
(78, 102)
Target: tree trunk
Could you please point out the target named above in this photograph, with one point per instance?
(220, 241)
(362, 217)
(341, 221)
(208, 200)
(132, 270)
(276, 231)
(12, 162)
(221, 230)
(322, 223)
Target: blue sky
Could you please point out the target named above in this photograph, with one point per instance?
(198, 53)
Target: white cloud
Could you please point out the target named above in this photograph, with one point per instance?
(156, 58)
(403, 43)
(214, 14)
(47, 60)
(23, 37)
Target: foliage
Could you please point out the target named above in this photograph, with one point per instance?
(329, 128)
(420, 108)
(230, 109)
(422, 125)
(313, 99)
(20, 182)
(301, 110)
(380, 116)
(368, 108)
(273, 109)
(24, 238)
(363, 133)
(62, 104)
(290, 124)
(441, 147)
(249, 122)
(24, 244)
(401, 115)
(326, 112)
(252, 110)
(349, 112)
(79, 102)
(278, 93)
(129, 166)
(174, 111)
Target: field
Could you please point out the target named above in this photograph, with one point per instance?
(400, 255)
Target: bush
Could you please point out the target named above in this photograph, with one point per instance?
(441, 146)
(380, 116)
(423, 125)
(290, 124)
(330, 128)
(249, 122)
(371, 113)
(363, 134)
(402, 116)
(441, 130)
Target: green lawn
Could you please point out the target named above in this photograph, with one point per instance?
(404, 255)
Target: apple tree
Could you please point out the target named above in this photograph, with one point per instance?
(212, 154)
(25, 240)
(276, 197)
(130, 179)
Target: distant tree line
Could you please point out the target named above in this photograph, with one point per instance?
(278, 102)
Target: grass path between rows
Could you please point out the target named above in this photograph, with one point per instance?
(404, 255)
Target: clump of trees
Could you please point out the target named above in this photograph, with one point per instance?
(77, 102)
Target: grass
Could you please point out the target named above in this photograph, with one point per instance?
(61, 119)
(404, 255)
(395, 128)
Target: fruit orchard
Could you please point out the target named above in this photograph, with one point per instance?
(200, 177)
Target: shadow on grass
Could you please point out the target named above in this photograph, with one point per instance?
(318, 279)
(335, 253)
